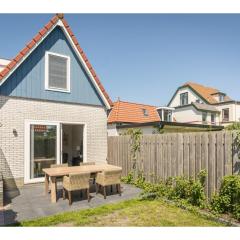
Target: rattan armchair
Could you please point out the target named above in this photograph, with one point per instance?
(93, 175)
(59, 179)
(108, 178)
(75, 182)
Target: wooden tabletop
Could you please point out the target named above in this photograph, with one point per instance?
(63, 171)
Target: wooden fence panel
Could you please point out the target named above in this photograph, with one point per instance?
(177, 154)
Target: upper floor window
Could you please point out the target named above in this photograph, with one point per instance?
(57, 72)
(183, 99)
(221, 97)
(225, 115)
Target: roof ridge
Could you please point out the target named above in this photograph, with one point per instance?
(135, 103)
(53, 21)
(195, 83)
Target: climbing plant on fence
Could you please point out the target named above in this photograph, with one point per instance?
(135, 136)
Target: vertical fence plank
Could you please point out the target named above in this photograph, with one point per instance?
(174, 155)
(219, 158)
(212, 163)
(180, 154)
(204, 158)
(236, 150)
(192, 155)
(198, 146)
(186, 155)
(228, 164)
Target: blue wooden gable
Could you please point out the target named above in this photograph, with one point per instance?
(28, 80)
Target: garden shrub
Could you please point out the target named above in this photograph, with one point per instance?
(128, 179)
(220, 204)
(197, 195)
(172, 188)
(228, 198)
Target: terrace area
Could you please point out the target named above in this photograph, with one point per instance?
(32, 202)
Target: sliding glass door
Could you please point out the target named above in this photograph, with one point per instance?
(42, 149)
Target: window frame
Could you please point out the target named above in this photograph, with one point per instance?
(182, 94)
(223, 119)
(213, 117)
(221, 98)
(47, 87)
(204, 114)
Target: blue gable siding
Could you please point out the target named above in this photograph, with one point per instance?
(29, 79)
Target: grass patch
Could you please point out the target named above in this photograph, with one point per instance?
(127, 213)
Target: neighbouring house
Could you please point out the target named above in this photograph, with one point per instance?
(197, 104)
(131, 114)
(150, 119)
(3, 63)
(53, 107)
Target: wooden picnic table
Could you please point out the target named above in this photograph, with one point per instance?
(52, 173)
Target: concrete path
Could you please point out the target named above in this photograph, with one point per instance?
(33, 203)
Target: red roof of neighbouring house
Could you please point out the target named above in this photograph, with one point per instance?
(38, 37)
(127, 112)
(206, 93)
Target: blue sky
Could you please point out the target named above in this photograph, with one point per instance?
(145, 57)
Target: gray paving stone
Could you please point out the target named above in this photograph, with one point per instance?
(32, 202)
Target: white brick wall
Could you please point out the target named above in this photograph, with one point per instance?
(14, 111)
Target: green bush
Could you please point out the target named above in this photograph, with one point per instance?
(220, 204)
(174, 188)
(197, 195)
(228, 198)
(182, 188)
(236, 211)
(128, 179)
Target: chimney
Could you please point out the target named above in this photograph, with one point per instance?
(60, 15)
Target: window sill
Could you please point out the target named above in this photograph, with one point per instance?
(57, 90)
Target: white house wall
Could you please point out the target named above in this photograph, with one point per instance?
(238, 112)
(189, 114)
(192, 97)
(14, 112)
(232, 111)
(113, 131)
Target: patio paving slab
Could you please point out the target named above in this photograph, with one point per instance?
(32, 202)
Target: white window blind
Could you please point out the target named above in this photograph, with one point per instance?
(57, 72)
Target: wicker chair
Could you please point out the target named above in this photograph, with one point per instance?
(76, 182)
(108, 178)
(93, 175)
(59, 179)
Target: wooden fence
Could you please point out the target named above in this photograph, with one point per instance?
(178, 154)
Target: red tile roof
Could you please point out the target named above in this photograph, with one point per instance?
(126, 112)
(36, 40)
(206, 93)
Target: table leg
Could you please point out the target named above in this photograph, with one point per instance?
(53, 190)
(46, 184)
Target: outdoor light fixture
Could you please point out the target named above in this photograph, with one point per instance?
(15, 132)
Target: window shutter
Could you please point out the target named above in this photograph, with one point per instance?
(57, 70)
